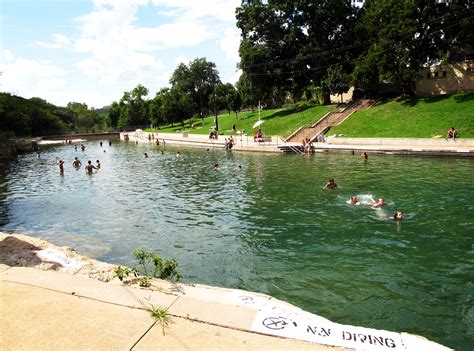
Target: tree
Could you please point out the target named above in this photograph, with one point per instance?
(198, 81)
(176, 105)
(406, 35)
(336, 82)
(133, 107)
(235, 102)
(112, 115)
(287, 44)
(248, 92)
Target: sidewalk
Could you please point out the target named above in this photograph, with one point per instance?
(53, 298)
(44, 310)
(396, 146)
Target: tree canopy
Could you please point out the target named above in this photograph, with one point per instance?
(288, 46)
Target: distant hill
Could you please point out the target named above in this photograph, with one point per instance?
(35, 116)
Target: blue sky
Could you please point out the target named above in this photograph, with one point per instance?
(92, 51)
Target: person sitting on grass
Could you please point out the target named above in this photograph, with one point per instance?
(452, 134)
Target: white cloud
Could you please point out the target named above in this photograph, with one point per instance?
(7, 55)
(115, 51)
(30, 77)
(229, 43)
(59, 41)
(235, 77)
(181, 59)
(211, 10)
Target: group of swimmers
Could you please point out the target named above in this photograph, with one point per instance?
(77, 165)
(398, 215)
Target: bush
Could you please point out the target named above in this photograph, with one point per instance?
(152, 263)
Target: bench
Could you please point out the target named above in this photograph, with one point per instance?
(264, 139)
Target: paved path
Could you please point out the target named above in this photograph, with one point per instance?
(53, 298)
(44, 310)
(409, 146)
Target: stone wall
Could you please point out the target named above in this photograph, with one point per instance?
(7, 149)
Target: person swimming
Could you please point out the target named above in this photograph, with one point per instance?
(216, 167)
(379, 203)
(146, 155)
(353, 201)
(398, 216)
(97, 164)
(331, 184)
(178, 154)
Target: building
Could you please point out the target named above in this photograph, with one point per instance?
(446, 79)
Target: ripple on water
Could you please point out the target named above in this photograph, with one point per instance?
(270, 227)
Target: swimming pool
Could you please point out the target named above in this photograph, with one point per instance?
(270, 227)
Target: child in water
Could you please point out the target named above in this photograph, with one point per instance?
(398, 216)
(331, 184)
(353, 201)
(379, 203)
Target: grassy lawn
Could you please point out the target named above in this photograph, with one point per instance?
(413, 118)
(280, 122)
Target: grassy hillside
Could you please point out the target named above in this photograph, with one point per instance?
(413, 118)
(277, 121)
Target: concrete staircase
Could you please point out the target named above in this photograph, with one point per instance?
(327, 121)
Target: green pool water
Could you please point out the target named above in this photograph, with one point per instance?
(270, 227)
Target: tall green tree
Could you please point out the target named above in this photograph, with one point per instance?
(176, 105)
(112, 115)
(336, 82)
(406, 35)
(198, 80)
(134, 107)
(287, 45)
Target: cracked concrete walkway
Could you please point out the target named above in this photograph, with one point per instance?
(43, 310)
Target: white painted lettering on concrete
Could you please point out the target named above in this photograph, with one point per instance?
(326, 332)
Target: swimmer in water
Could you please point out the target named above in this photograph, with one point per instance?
(76, 163)
(379, 203)
(216, 167)
(89, 167)
(331, 184)
(398, 216)
(146, 155)
(97, 164)
(178, 154)
(239, 167)
(353, 201)
(61, 166)
(364, 155)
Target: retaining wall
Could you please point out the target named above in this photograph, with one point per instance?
(413, 142)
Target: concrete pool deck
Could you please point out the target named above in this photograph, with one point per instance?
(60, 306)
(393, 146)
